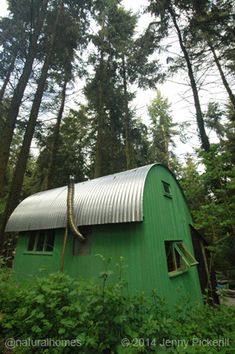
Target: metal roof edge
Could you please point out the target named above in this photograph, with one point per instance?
(120, 194)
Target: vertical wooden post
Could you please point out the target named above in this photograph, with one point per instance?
(63, 249)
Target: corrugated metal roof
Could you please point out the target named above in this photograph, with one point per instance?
(110, 199)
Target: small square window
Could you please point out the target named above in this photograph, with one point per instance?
(166, 189)
(179, 258)
(41, 241)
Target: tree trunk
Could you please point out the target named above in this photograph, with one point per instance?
(128, 150)
(101, 113)
(225, 82)
(49, 179)
(101, 120)
(7, 78)
(7, 134)
(99, 141)
(18, 176)
(199, 115)
(166, 145)
(114, 143)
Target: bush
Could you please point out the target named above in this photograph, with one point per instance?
(99, 318)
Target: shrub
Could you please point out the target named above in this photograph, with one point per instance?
(102, 319)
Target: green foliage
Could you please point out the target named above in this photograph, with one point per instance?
(115, 59)
(211, 195)
(73, 155)
(162, 130)
(213, 118)
(211, 24)
(102, 319)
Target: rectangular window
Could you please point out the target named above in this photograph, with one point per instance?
(166, 189)
(32, 239)
(187, 257)
(41, 241)
(179, 259)
(49, 244)
(41, 237)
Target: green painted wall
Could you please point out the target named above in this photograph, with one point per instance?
(141, 244)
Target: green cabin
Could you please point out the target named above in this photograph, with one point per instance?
(140, 214)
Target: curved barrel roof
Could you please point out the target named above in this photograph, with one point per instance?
(115, 198)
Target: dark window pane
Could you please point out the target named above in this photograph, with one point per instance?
(50, 241)
(178, 260)
(175, 261)
(32, 238)
(170, 256)
(40, 241)
(166, 187)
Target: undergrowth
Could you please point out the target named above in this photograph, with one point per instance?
(99, 318)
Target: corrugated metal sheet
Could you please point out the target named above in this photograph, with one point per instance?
(111, 199)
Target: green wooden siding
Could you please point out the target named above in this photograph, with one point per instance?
(167, 219)
(141, 244)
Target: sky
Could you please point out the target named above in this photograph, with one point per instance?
(175, 89)
(3, 8)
